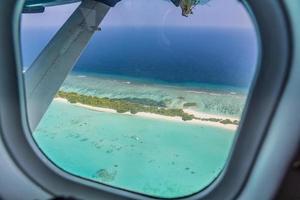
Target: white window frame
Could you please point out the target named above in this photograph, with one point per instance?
(265, 124)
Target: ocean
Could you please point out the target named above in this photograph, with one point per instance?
(215, 56)
(153, 157)
(210, 67)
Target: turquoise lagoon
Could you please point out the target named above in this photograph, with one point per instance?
(150, 156)
(214, 99)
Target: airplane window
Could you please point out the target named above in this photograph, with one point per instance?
(155, 100)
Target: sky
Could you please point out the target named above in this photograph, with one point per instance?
(217, 13)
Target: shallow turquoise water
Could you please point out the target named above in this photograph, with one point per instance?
(213, 99)
(155, 157)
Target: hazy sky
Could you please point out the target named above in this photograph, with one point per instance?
(217, 13)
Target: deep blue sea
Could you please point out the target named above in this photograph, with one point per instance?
(177, 55)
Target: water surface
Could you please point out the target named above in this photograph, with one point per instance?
(154, 157)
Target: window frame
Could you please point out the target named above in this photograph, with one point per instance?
(265, 96)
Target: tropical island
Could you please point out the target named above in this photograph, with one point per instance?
(140, 105)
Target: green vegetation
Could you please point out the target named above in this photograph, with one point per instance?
(124, 105)
(236, 122)
(188, 117)
(144, 101)
(189, 104)
(226, 121)
(135, 105)
(211, 119)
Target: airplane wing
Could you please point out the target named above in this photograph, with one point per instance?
(38, 6)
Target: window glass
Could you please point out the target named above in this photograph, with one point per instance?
(37, 30)
(154, 102)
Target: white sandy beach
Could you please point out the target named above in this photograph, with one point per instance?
(206, 115)
(169, 118)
